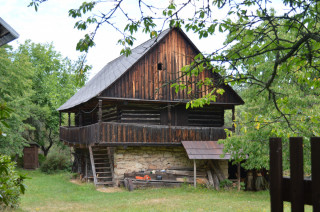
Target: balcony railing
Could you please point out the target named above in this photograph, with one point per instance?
(113, 134)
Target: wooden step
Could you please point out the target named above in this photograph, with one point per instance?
(104, 183)
(98, 163)
(103, 172)
(104, 177)
(103, 167)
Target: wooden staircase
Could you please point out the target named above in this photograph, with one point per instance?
(101, 163)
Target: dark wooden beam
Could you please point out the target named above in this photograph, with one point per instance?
(60, 119)
(80, 118)
(233, 117)
(276, 196)
(112, 144)
(296, 174)
(229, 105)
(100, 111)
(315, 170)
(69, 120)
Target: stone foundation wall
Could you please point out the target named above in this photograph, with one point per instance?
(134, 159)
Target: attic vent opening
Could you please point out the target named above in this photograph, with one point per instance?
(160, 66)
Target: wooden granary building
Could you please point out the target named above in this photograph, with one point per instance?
(128, 118)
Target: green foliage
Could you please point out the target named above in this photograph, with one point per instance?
(34, 80)
(56, 162)
(41, 159)
(15, 91)
(292, 109)
(54, 81)
(226, 184)
(11, 184)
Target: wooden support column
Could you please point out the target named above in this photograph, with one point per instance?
(100, 121)
(100, 111)
(194, 173)
(315, 170)
(60, 119)
(239, 176)
(69, 120)
(169, 114)
(276, 196)
(80, 119)
(233, 117)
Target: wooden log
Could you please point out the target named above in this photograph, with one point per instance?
(194, 173)
(210, 178)
(216, 181)
(217, 170)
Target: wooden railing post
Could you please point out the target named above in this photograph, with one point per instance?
(315, 169)
(296, 174)
(276, 175)
(60, 119)
(233, 118)
(100, 121)
(69, 120)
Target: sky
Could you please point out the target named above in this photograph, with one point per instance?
(52, 24)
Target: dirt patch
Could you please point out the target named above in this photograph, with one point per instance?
(110, 189)
(76, 181)
(159, 200)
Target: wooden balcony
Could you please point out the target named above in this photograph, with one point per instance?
(125, 134)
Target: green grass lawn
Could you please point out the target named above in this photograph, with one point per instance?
(56, 193)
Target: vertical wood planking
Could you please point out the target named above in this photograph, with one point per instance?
(315, 169)
(276, 175)
(296, 174)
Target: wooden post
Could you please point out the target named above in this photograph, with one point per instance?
(169, 114)
(60, 119)
(276, 175)
(100, 121)
(69, 120)
(296, 174)
(315, 170)
(239, 176)
(80, 119)
(100, 111)
(86, 167)
(194, 173)
(233, 118)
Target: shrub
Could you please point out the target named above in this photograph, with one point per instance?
(226, 184)
(11, 183)
(41, 159)
(55, 162)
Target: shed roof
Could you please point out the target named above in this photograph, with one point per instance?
(7, 33)
(204, 150)
(110, 73)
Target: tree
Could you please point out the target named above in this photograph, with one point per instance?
(15, 92)
(54, 81)
(258, 119)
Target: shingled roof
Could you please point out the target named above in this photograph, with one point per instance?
(7, 33)
(110, 73)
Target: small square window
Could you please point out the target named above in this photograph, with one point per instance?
(160, 66)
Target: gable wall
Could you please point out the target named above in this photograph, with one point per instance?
(144, 81)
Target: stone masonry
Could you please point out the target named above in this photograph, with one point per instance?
(134, 159)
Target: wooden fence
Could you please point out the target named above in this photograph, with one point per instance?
(296, 189)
